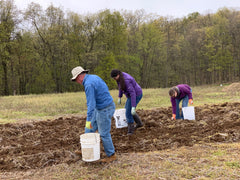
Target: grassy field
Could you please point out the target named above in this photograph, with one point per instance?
(200, 162)
(49, 106)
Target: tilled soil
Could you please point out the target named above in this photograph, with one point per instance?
(44, 143)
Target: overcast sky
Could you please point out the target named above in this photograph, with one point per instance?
(174, 8)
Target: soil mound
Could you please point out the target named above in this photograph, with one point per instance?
(232, 88)
(45, 143)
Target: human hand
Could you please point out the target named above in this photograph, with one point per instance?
(173, 117)
(88, 125)
(190, 101)
(119, 101)
(133, 111)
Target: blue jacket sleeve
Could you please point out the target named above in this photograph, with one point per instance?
(91, 101)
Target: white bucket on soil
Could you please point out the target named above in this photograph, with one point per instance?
(90, 145)
(188, 113)
(120, 118)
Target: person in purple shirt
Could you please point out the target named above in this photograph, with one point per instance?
(181, 92)
(128, 86)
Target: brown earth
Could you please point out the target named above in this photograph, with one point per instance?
(45, 143)
(232, 88)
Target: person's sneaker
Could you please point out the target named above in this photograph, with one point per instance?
(109, 159)
(78, 152)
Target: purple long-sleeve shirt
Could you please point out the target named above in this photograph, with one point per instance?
(184, 90)
(132, 88)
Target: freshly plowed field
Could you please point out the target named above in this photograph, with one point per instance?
(44, 143)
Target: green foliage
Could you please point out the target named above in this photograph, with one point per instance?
(39, 84)
(151, 51)
(7, 25)
(105, 67)
(156, 51)
(233, 164)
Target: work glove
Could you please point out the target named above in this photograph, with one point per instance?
(119, 101)
(133, 111)
(173, 117)
(190, 101)
(88, 125)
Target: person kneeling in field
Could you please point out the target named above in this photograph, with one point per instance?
(100, 108)
(181, 92)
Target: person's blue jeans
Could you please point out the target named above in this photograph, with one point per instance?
(101, 121)
(184, 104)
(128, 107)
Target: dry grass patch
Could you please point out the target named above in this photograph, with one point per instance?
(202, 161)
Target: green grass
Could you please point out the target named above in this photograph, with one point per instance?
(233, 164)
(48, 106)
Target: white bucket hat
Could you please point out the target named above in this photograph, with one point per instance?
(76, 71)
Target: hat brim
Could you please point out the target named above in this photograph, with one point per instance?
(74, 78)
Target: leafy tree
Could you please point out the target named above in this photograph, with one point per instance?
(104, 69)
(8, 21)
(157, 51)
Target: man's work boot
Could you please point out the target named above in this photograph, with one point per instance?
(130, 128)
(109, 159)
(137, 121)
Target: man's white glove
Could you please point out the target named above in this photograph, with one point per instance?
(133, 111)
(119, 101)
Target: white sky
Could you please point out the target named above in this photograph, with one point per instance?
(174, 8)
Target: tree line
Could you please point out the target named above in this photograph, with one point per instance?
(39, 48)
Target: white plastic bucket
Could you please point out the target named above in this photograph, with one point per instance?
(188, 113)
(90, 145)
(120, 118)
